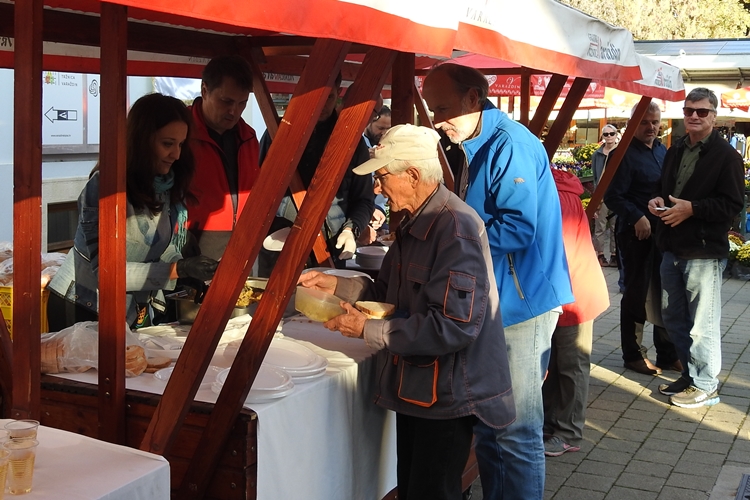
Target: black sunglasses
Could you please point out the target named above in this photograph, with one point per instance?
(608, 134)
(702, 112)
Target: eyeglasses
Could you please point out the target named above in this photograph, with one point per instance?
(608, 134)
(379, 177)
(702, 112)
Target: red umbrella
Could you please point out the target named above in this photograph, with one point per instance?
(739, 99)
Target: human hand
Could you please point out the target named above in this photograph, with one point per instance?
(643, 228)
(681, 210)
(351, 324)
(377, 219)
(656, 206)
(200, 267)
(318, 281)
(347, 244)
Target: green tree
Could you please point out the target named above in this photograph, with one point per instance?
(672, 19)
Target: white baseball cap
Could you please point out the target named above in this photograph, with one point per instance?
(402, 142)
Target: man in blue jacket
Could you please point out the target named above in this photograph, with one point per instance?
(502, 171)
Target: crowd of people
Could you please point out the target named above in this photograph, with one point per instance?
(496, 285)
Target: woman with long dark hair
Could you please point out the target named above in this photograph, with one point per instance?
(160, 168)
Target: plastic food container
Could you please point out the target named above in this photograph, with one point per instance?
(317, 305)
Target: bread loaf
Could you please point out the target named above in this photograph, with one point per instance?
(375, 310)
(135, 360)
(155, 364)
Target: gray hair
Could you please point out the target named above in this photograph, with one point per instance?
(430, 169)
(465, 79)
(700, 93)
(609, 125)
(653, 107)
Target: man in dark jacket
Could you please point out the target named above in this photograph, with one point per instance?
(352, 206)
(702, 189)
(435, 352)
(632, 186)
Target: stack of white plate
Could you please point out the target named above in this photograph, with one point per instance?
(302, 364)
(208, 379)
(271, 384)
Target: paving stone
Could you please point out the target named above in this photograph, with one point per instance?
(690, 481)
(671, 493)
(615, 457)
(571, 493)
(649, 469)
(637, 481)
(697, 469)
(620, 493)
(590, 481)
(709, 446)
(715, 436)
(703, 457)
(660, 457)
(627, 434)
(600, 468)
(642, 415)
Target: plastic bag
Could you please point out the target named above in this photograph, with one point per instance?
(76, 348)
(6, 250)
(48, 273)
(53, 259)
(6, 272)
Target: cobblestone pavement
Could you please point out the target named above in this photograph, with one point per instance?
(638, 446)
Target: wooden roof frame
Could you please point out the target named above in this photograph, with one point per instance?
(115, 34)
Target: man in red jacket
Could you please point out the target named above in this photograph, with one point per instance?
(226, 153)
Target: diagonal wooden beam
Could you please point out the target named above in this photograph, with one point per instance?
(424, 118)
(329, 174)
(547, 104)
(27, 213)
(244, 244)
(297, 188)
(112, 215)
(616, 156)
(562, 122)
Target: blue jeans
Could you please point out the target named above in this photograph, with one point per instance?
(511, 460)
(691, 309)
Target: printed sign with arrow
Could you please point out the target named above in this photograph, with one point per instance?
(61, 115)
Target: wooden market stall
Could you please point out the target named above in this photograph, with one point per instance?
(313, 39)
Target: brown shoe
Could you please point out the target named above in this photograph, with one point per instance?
(602, 261)
(676, 365)
(643, 366)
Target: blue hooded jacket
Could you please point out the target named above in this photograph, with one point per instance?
(511, 188)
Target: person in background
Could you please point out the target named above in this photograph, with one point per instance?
(702, 188)
(352, 205)
(565, 390)
(502, 171)
(377, 127)
(433, 353)
(373, 133)
(604, 224)
(160, 167)
(226, 153)
(633, 185)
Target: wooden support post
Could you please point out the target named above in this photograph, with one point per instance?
(402, 95)
(359, 103)
(242, 249)
(615, 157)
(112, 215)
(424, 117)
(562, 122)
(525, 96)
(547, 104)
(27, 201)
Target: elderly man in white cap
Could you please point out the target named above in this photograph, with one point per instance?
(434, 350)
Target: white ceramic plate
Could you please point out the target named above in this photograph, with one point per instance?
(275, 241)
(269, 379)
(294, 358)
(208, 378)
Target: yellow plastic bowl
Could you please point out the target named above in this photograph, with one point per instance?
(317, 305)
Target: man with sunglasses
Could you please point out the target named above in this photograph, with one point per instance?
(701, 190)
(632, 187)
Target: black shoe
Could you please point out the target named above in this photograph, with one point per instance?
(675, 387)
(674, 366)
(643, 366)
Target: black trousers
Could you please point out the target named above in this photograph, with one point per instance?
(640, 262)
(431, 456)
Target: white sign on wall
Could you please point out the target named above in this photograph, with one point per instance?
(93, 91)
(62, 108)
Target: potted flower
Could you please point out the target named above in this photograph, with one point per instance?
(741, 266)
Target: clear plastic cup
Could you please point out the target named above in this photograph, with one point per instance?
(20, 464)
(22, 429)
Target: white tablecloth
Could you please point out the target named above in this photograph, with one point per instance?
(325, 441)
(74, 467)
